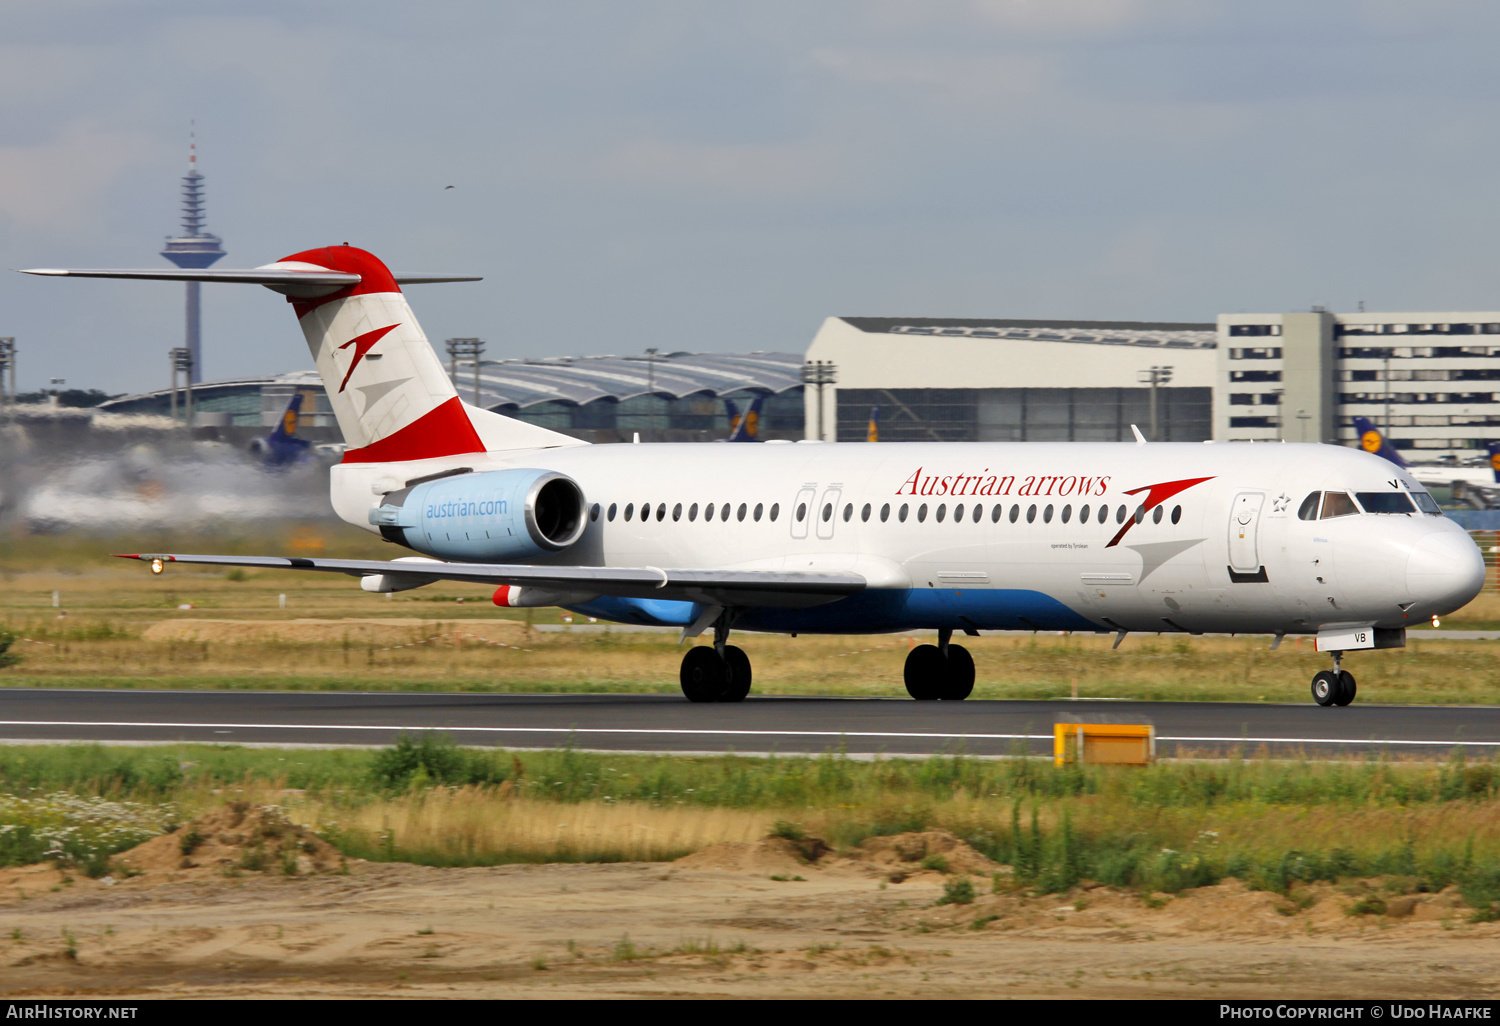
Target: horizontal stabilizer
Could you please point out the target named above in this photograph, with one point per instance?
(254, 276)
(764, 588)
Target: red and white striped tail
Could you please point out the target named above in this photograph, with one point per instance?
(390, 392)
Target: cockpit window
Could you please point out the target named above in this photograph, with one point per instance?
(1426, 503)
(1385, 502)
(1309, 507)
(1338, 504)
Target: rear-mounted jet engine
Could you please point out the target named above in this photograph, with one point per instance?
(499, 516)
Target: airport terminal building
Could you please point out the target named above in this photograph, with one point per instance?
(1432, 378)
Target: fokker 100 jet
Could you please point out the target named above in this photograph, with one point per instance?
(849, 538)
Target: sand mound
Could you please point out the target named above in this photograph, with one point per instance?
(767, 855)
(239, 837)
(901, 854)
(388, 631)
(896, 857)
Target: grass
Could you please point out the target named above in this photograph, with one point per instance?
(1276, 825)
(110, 604)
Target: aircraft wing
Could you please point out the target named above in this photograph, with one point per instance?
(765, 588)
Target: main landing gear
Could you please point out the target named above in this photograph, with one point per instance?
(717, 674)
(1335, 686)
(941, 671)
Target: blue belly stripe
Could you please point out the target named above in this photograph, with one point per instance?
(877, 611)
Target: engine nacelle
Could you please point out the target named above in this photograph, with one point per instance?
(497, 516)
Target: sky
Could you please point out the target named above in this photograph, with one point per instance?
(723, 176)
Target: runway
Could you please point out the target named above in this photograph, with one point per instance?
(668, 723)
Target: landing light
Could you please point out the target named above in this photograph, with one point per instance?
(157, 566)
(1435, 622)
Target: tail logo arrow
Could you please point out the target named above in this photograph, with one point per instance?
(362, 345)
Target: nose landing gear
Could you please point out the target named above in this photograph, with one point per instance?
(1335, 686)
(942, 671)
(717, 674)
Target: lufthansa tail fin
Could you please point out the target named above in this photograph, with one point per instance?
(1372, 441)
(1494, 451)
(746, 428)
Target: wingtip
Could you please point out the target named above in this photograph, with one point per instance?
(56, 271)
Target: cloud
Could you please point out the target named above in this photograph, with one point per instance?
(56, 185)
(738, 168)
(968, 79)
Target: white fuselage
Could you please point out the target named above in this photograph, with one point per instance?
(1226, 554)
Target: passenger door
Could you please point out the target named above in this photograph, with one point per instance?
(828, 510)
(1244, 522)
(802, 510)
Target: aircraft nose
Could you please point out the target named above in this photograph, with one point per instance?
(1445, 570)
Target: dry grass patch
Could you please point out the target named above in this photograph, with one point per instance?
(490, 826)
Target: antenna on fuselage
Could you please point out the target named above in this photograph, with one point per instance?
(1140, 439)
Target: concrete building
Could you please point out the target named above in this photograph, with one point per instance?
(1432, 380)
(1003, 380)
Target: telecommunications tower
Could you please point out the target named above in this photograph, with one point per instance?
(194, 248)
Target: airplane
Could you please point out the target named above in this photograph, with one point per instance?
(811, 537)
(282, 448)
(1482, 481)
(746, 428)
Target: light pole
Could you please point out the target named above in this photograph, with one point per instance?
(820, 373)
(650, 375)
(468, 349)
(8, 364)
(1154, 377)
(182, 363)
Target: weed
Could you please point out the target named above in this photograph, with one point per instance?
(1079, 904)
(935, 862)
(70, 943)
(624, 950)
(189, 841)
(980, 922)
(959, 890)
(7, 639)
(1369, 905)
(539, 963)
(783, 878)
(15, 933)
(432, 952)
(789, 831)
(1301, 901)
(697, 946)
(425, 931)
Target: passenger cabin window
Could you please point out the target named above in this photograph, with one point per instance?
(612, 510)
(775, 509)
(1385, 502)
(629, 508)
(1309, 508)
(885, 512)
(759, 509)
(1338, 504)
